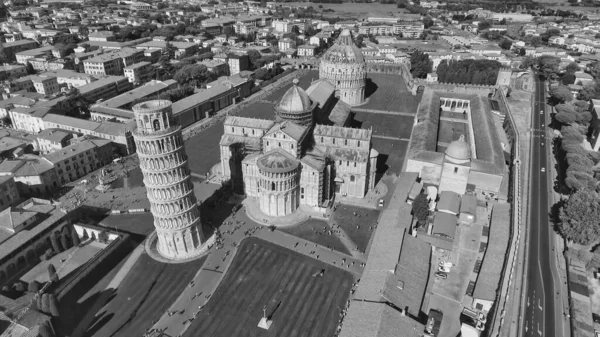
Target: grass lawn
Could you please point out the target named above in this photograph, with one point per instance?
(344, 217)
(451, 131)
(391, 158)
(40, 271)
(304, 83)
(384, 125)
(262, 274)
(359, 9)
(144, 295)
(258, 110)
(388, 92)
(203, 149)
(306, 231)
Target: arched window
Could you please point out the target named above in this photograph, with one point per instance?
(358, 144)
(352, 178)
(272, 186)
(333, 140)
(156, 125)
(346, 142)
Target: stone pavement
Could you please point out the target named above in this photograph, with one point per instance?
(206, 281)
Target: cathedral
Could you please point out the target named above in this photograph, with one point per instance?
(307, 154)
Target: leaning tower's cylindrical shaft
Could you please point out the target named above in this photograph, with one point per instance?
(167, 178)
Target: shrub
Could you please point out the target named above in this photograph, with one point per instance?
(53, 303)
(93, 236)
(49, 252)
(55, 245)
(65, 242)
(103, 237)
(85, 234)
(52, 273)
(45, 331)
(75, 237)
(34, 287)
(19, 286)
(45, 303)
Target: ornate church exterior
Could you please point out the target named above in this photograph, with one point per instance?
(307, 154)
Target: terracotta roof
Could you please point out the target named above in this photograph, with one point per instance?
(444, 224)
(295, 131)
(342, 132)
(277, 161)
(264, 124)
(367, 319)
(449, 201)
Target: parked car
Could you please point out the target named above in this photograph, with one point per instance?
(543, 169)
(443, 269)
(482, 317)
(381, 202)
(445, 264)
(441, 275)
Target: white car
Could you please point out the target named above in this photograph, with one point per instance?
(443, 269)
(445, 264)
(543, 169)
(541, 112)
(381, 202)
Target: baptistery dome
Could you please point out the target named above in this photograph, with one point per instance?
(295, 106)
(344, 66)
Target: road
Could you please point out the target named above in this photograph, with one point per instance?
(543, 312)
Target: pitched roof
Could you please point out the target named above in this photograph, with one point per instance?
(444, 224)
(468, 204)
(449, 201)
(339, 114)
(342, 132)
(69, 151)
(368, 319)
(264, 124)
(320, 91)
(488, 280)
(295, 131)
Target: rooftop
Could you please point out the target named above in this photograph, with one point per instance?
(369, 319)
(69, 151)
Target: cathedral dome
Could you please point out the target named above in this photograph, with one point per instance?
(459, 149)
(295, 100)
(277, 161)
(344, 50)
(295, 106)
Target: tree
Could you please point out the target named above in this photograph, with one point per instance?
(427, 22)
(93, 237)
(522, 51)
(64, 241)
(53, 305)
(505, 44)
(103, 237)
(75, 237)
(45, 303)
(55, 245)
(589, 91)
(485, 24)
(579, 217)
(567, 79)
(34, 286)
(253, 55)
(560, 94)
(52, 276)
(420, 209)
(420, 64)
(45, 331)
(527, 62)
(548, 65)
(572, 68)
(19, 287)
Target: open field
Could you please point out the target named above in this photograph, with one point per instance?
(344, 217)
(391, 155)
(312, 230)
(203, 149)
(384, 124)
(388, 92)
(40, 271)
(357, 9)
(451, 131)
(263, 274)
(144, 295)
(304, 83)
(258, 110)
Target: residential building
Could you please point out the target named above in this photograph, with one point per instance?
(283, 26)
(376, 30)
(51, 140)
(183, 48)
(102, 36)
(79, 159)
(9, 193)
(12, 48)
(112, 63)
(48, 51)
(12, 71)
(30, 119)
(307, 50)
(216, 66)
(139, 72)
(285, 44)
(409, 29)
(33, 175)
(70, 78)
(238, 63)
(45, 85)
(140, 6)
(105, 88)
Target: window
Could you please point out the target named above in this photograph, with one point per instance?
(456, 170)
(358, 144)
(347, 163)
(333, 140)
(321, 139)
(345, 142)
(352, 178)
(354, 164)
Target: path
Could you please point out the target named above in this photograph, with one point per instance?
(384, 112)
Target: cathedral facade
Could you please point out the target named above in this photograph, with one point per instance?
(306, 155)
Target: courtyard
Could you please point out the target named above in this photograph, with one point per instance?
(297, 299)
(449, 131)
(80, 257)
(147, 291)
(388, 92)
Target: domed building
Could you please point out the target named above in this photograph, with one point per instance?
(291, 162)
(344, 66)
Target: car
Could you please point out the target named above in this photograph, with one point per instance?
(443, 269)
(441, 275)
(381, 202)
(543, 169)
(542, 124)
(541, 112)
(542, 144)
(482, 317)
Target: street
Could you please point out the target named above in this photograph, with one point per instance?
(541, 316)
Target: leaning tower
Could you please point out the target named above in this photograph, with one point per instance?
(167, 178)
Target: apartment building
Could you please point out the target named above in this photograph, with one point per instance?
(48, 51)
(79, 159)
(409, 29)
(30, 119)
(238, 63)
(70, 78)
(102, 35)
(33, 175)
(112, 63)
(307, 50)
(286, 44)
(9, 193)
(183, 48)
(376, 30)
(12, 48)
(12, 71)
(45, 85)
(282, 26)
(216, 66)
(139, 72)
(51, 140)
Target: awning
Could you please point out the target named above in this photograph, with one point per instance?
(338, 180)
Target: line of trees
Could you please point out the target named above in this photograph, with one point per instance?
(468, 71)
(420, 64)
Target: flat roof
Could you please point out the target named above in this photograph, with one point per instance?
(488, 279)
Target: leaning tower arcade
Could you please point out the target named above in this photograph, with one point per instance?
(167, 178)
